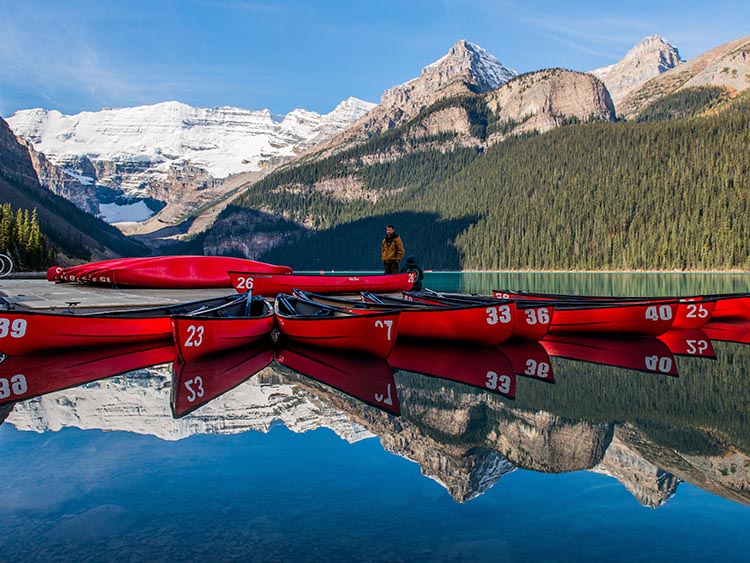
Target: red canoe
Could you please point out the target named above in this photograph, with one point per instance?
(531, 322)
(478, 323)
(688, 342)
(732, 306)
(361, 376)
(23, 377)
(232, 325)
(479, 366)
(26, 332)
(183, 272)
(195, 383)
(692, 312)
(271, 284)
(306, 322)
(640, 354)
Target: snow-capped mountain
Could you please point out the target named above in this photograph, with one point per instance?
(172, 155)
(222, 141)
(648, 58)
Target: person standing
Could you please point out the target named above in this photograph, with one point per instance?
(391, 251)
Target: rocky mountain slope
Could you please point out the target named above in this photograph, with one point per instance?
(171, 152)
(647, 59)
(727, 65)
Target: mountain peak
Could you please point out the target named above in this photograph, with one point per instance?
(648, 58)
(486, 70)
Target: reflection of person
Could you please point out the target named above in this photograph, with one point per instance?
(391, 251)
(411, 266)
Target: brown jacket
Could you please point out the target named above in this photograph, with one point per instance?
(394, 251)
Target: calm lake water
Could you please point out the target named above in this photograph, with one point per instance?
(644, 456)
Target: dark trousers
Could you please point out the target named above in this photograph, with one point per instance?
(390, 267)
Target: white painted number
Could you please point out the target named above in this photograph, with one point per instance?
(663, 312)
(499, 314)
(696, 347)
(16, 386)
(655, 363)
(537, 369)
(385, 399)
(195, 336)
(245, 283)
(696, 311)
(385, 324)
(15, 329)
(496, 382)
(195, 388)
(540, 315)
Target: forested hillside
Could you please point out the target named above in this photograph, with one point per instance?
(670, 192)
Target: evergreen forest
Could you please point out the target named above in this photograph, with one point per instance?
(668, 191)
(21, 239)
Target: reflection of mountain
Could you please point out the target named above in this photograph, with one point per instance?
(139, 403)
(667, 431)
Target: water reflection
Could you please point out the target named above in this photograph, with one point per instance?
(467, 424)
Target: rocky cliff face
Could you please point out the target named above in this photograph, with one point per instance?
(650, 57)
(727, 65)
(19, 160)
(540, 101)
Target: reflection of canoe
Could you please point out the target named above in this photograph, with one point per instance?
(319, 325)
(25, 332)
(222, 328)
(479, 366)
(529, 359)
(23, 377)
(688, 342)
(361, 376)
(729, 331)
(640, 354)
(476, 323)
(199, 381)
(532, 320)
(271, 284)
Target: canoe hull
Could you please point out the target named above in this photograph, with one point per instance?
(198, 336)
(269, 285)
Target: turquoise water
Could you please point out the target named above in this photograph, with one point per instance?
(606, 464)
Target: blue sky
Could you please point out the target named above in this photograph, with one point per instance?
(82, 55)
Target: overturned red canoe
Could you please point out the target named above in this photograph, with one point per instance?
(361, 376)
(26, 332)
(197, 382)
(269, 284)
(308, 323)
(23, 377)
(183, 272)
(229, 326)
(640, 354)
